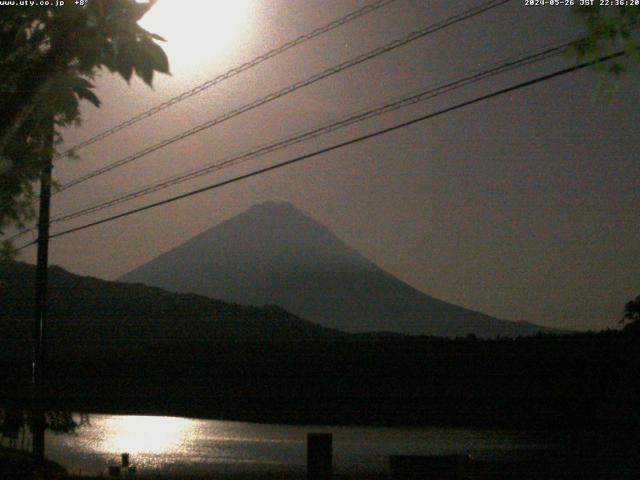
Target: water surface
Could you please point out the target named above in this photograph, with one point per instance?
(184, 445)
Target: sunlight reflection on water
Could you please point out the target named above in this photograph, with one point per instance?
(175, 444)
(137, 434)
(183, 445)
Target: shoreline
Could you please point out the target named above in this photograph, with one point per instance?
(546, 466)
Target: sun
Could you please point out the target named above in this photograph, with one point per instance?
(198, 32)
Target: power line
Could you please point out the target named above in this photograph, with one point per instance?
(263, 150)
(224, 76)
(232, 73)
(336, 146)
(495, 68)
(290, 89)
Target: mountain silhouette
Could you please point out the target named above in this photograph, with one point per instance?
(275, 254)
(86, 311)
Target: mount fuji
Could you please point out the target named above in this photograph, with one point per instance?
(275, 254)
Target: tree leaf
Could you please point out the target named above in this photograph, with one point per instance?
(157, 55)
(87, 94)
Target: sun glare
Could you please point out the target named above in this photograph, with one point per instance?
(197, 32)
(137, 434)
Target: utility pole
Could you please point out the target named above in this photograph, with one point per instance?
(40, 310)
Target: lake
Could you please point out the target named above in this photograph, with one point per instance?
(185, 445)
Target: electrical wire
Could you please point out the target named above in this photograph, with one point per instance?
(231, 73)
(290, 89)
(493, 69)
(322, 151)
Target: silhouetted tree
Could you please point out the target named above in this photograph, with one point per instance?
(632, 314)
(14, 420)
(48, 59)
(609, 29)
(59, 421)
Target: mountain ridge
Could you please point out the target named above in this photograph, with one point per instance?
(88, 308)
(275, 254)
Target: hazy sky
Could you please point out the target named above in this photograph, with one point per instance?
(524, 207)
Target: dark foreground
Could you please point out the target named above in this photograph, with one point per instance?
(583, 388)
(574, 382)
(553, 465)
